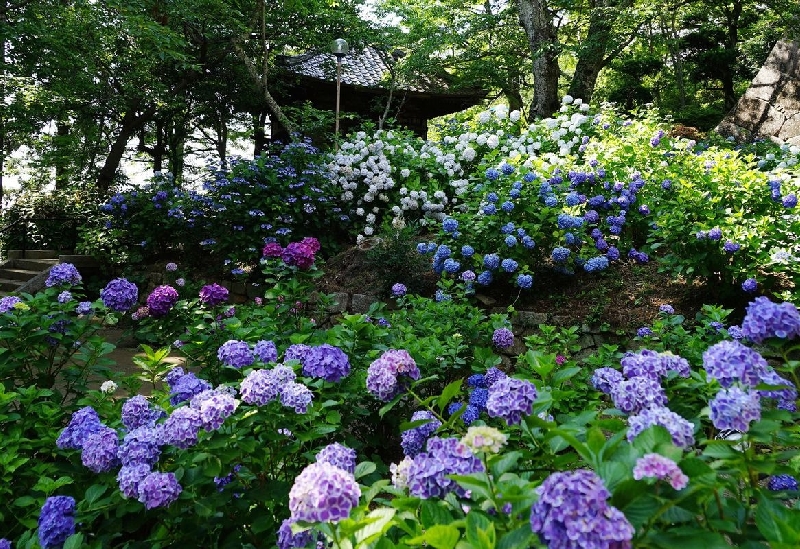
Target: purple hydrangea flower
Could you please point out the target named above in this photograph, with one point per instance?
(297, 351)
(387, 376)
(782, 482)
(414, 439)
(265, 351)
(236, 354)
(750, 285)
(734, 408)
(213, 294)
(731, 247)
(510, 398)
(63, 273)
(327, 362)
(65, 297)
(129, 477)
(604, 379)
(142, 445)
(82, 308)
(5, 544)
(323, 493)
(644, 331)
(297, 396)
(161, 300)
(427, 474)
(399, 290)
(666, 309)
(158, 490)
(100, 450)
(289, 540)
(572, 513)
(137, 412)
(786, 395)
(730, 361)
(634, 395)
(765, 319)
(339, 455)
(119, 295)
(83, 423)
(56, 521)
(493, 375)
(681, 430)
(503, 338)
(215, 407)
(171, 267)
(182, 427)
(661, 468)
(7, 303)
(715, 233)
(789, 201)
(183, 386)
(260, 387)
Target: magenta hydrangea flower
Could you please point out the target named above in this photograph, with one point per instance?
(339, 455)
(323, 493)
(510, 399)
(158, 490)
(327, 362)
(312, 243)
(213, 294)
(161, 300)
(61, 274)
(572, 512)
(388, 375)
(299, 254)
(119, 295)
(272, 249)
(661, 468)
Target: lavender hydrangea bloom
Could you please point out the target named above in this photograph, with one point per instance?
(734, 409)
(782, 482)
(634, 395)
(236, 354)
(297, 396)
(387, 376)
(494, 375)
(661, 468)
(119, 295)
(510, 399)
(786, 396)
(265, 351)
(214, 407)
(137, 412)
(750, 285)
(260, 387)
(183, 386)
(56, 521)
(213, 294)
(427, 474)
(182, 427)
(765, 319)
(730, 361)
(604, 379)
(503, 338)
(339, 455)
(63, 273)
(158, 490)
(643, 363)
(644, 331)
(297, 351)
(141, 445)
(129, 477)
(572, 513)
(666, 309)
(65, 297)
(7, 303)
(399, 290)
(161, 300)
(681, 430)
(100, 450)
(82, 308)
(5, 544)
(83, 423)
(289, 540)
(414, 439)
(731, 246)
(323, 493)
(327, 362)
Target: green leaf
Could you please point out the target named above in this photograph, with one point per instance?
(94, 492)
(364, 468)
(379, 523)
(480, 531)
(521, 537)
(431, 513)
(777, 523)
(448, 393)
(75, 541)
(441, 536)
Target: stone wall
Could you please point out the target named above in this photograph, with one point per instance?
(770, 108)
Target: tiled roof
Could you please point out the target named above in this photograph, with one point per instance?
(368, 68)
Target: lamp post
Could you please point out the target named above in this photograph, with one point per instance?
(339, 48)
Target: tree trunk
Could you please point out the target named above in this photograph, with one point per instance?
(259, 134)
(130, 124)
(537, 21)
(592, 54)
(731, 44)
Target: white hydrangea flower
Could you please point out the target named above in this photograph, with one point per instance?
(514, 115)
(584, 107)
(484, 117)
(371, 218)
(360, 211)
(108, 387)
(405, 172)
(493, 141)
(567, 100)
(368, 230)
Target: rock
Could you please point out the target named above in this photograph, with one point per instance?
(485, 300)
(360, 303)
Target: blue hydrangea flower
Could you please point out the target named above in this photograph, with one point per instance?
(491, 261)
(509, 265)
(786, 395)
(731, 247)
(485, 278)
(612, 254)
(119, 295)
(750, 285)
(82, 424)
(507, 169)
(510, 398)
(490, 209)
(789, 201)
(296, 396)
(451, 265)
(644, 331)
(450, 225)
(63, 273)
(183, 386)
(56, 521)
(159, 490)
(525, 281)
(550, 201)
(572, 512)
(478, 398)
(339, 455)
(507, 206)
(476, 380)
(429, 470)
(327, 362)
(560, 254)
(528, 242)
(782, 482)
(492, 174)
(142, 445)
(599, 263)
(413, 440)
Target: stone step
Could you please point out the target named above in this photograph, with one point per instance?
(10, 285)
(18, 274)
(37, 265)
(32, 254)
